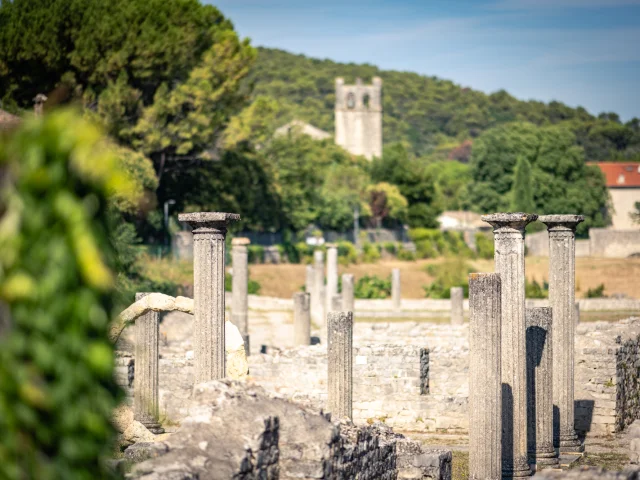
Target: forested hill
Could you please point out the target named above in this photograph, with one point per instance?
(429, 113)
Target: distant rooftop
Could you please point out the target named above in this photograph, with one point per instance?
(621, 174)
(304, 128)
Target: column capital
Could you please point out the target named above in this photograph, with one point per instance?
(561, 223)
(509, 222)
(208, 222)
(240, 242)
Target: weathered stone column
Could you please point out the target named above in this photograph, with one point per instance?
(348, 299)
(485, 382)
(145, 389)
(562, 277)
(336, 303)
(310, 280)
(340, 364)
(301, 318)
(209, 231)
(317, 297)
(332, 275)
(395, 288)
(508, 231)
(457, 305)
(539, 387)
(239, 285)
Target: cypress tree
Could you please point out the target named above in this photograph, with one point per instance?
(521, 190)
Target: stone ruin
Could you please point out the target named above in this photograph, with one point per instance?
(517, 379)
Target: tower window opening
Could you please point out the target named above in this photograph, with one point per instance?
(351, 100)
(365, 100)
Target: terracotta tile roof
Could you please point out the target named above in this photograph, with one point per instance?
(621, 174)
(7, 120)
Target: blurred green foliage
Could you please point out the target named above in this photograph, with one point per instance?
(431, 243)
(452, 272)
(596, 292)
(533, 289)
(372, 286)
(253, 286)
(57, 389)
(484, 246)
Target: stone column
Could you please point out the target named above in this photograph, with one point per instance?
(239, 295)
(485, 382)
(310, 280)
(317, 298)
(209, 231)
(395, 288)
(145, 389)
(348, 299)
(301, 318)
(340, 364)
(332, 275)
(508, 231)
(562, 277)
(539, 385)
(457, 306)
(336, 303)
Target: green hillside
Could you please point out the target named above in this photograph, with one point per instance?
(428, 113)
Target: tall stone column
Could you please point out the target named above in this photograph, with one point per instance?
(209, 232)
(395, 288)
(562, 277)
(301, 318)
(348, 299)
(145, 393)
(239, 285)
(336, 303)
(310, 280)
(457, 305)
(317, 297)
(539, 387)
(508, 231)
(332, 275)
(485, 382)
(340, 364)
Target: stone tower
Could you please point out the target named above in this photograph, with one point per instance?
(359, 117)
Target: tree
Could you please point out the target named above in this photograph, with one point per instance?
(560, 180)
(521, 192)
(386, 201)
(414, 182)
(635, 215)
(161, 76)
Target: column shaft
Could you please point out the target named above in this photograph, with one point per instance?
(310, 281)
(317, 298)
(539, 386)
(209, 231)
(562, 299)
(301, 318)
(395, 288)
(332, 276)
(348, 299)
(239, 293)
(145, 395)
(508, 229)
(485, 390)
(457, 305)
(340, 364)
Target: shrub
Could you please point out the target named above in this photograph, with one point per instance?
(535, 290)
(484, 246)
(370, 252)
(597, 292)
(255, 254)
(390, 247)
(253, 286)
(406, 255)
(372, 287)
(347, 253)
(57, 388)
(453, 272)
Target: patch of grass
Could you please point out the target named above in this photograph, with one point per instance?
(460, 465)
(608, 461)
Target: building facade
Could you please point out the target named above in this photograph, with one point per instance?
(623, 182)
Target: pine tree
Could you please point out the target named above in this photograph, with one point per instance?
(521, 190)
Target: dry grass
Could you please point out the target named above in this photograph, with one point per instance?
(618, 275)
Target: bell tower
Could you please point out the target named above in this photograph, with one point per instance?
(358, 117)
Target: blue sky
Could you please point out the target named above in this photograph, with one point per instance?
(580, 52)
